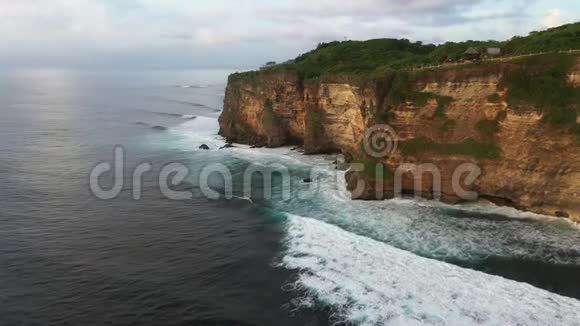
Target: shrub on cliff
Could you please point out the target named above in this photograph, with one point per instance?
(559, 38)
(375, 169)
(356, 57)
(542, 81)
(487, 128)
(268, 116)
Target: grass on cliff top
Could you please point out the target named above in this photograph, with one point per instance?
(542, 82)
(373, 58)
(469, 147)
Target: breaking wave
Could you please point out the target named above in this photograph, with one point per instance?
(174, 115)
(368, 282)
(154, 127)
(199, 131)
(399, 261)
(187, 103)
(191, 86)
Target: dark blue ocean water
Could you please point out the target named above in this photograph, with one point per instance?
(69, 258)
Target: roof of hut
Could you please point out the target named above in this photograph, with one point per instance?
(472, 51)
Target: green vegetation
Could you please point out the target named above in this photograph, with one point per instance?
(402, 91)
(355, 57)
(487, 128)
(374, 58)
(494, 98)
(559, 38)
(401, 88)
(314, 119)
(468, 147)
(374, 168)
(372, 108)
(542, 82)
(385, 117)
(439, 112)
(421, 99)
(417, 98)
(268, 105)
(501, 116)
(442, 103)
(268, 116)
(248, 77)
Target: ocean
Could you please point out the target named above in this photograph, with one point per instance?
(293, 253)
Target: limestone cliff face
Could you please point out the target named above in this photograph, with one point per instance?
(537, 167)
(282, 109)
(266, 112)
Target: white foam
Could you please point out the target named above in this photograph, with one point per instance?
(198, 131)
(246, 199)
(371, 283)
(420, 226)
(191, 86)
(438, 230)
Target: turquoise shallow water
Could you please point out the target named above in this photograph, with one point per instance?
(313, 257)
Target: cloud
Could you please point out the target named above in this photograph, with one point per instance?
(217, 30)
(553, 18)
(63, 15)
(362, 8)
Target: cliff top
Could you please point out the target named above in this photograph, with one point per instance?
(374, 57)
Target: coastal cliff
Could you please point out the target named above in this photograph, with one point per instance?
(471, 126)
(442, 117)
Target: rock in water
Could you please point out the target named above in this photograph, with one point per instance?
(562, 214)
(228, 146)
(204, 147)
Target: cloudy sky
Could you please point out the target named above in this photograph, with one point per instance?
(245, 33)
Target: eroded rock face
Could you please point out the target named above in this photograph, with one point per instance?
(266, 112)
(537, 169)
(282, 110)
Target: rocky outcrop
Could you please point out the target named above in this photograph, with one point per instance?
(524, 162)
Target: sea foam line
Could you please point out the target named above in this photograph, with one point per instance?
(420, 226)
(371, 283)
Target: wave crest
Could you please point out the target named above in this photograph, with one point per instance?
(371, 283)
